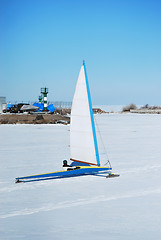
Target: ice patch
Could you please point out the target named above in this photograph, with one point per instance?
(80, 202)
(142, 169)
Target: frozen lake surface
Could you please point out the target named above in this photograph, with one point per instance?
(89, 207)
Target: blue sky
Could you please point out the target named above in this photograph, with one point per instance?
(43, 43)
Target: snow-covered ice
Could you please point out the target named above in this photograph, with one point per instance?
(89, 207)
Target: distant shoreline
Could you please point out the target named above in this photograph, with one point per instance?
(61, 116)
(146, 111)
(34, 119)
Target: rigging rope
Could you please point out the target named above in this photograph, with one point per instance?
(104, 149)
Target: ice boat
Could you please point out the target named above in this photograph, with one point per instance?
(84, 153)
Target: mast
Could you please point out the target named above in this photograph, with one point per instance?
(92, 117)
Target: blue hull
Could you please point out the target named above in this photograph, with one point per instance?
(65, 174)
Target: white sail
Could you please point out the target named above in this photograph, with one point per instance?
(83, 142)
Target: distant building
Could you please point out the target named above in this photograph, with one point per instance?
(3, 104)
